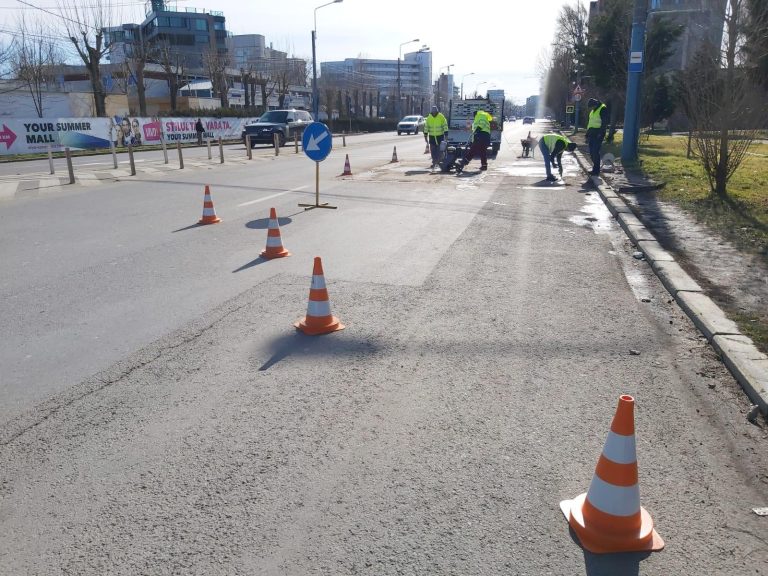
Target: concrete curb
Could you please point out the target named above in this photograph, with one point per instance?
(747, 364)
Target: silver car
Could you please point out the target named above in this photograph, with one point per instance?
(411, 125)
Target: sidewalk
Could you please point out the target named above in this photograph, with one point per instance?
(747, 364)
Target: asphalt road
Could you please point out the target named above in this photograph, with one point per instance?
(162, 416)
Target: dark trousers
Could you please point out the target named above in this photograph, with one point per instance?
(547, 158)
(434, 147)
(479, 146)
(199, 138)
(595, 141)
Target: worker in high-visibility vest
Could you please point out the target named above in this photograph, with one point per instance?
(481, 139)
(435, 131)
(596, 127)
(552, 147)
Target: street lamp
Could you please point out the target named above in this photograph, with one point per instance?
(478, 86)
(315, 97)
(399, 56)
(462, 84)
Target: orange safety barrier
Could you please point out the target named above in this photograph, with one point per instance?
(609, 518)
(319, 319)
(274, 247)
(209, 214)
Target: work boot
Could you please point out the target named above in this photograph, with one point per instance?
(483, 167)
(551, 179)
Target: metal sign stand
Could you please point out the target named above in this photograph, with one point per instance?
(317, 193)
(316, 142)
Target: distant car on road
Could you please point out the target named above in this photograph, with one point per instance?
(411, 125)
(285, 123)
(529, 120)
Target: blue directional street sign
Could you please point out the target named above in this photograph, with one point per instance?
(317, 141)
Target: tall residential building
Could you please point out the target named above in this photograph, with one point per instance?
(370, 75)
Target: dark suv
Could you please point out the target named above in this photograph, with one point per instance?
(284, 123)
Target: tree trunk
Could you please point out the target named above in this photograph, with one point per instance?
(99, 95)
(141, 89)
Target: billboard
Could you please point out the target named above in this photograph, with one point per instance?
(36, 135)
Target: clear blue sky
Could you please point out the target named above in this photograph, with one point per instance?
(501, 41)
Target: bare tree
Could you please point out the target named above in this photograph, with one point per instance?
(174, 66)
(34, 58)
(215, 64)
(84, 23)
(139, 52)
(716, 92)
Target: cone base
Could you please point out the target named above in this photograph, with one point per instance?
(646, 540)
(332, 326)
(346, 174)
(209, 220)
(279, 253)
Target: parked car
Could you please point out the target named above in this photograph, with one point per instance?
(287, 124)
(529, 120)
(411, 125)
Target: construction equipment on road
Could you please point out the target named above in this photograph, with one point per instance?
(274, 248)
(209, 214)
(319, 319)
(608, 518)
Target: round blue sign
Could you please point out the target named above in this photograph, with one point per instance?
(317, 141)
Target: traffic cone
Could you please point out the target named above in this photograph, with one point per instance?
(274, 247)
(318, 319)
(609, 518)
(209, 214)
(394, 155)
(347, 168)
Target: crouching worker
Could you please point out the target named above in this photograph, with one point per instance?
(552, 147)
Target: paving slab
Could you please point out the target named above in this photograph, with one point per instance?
(706, 315)
(654, 252)
(674, 278)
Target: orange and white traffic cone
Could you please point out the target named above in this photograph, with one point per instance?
(209, 214)
(318, 319)
(274, 247)
(394, 155)
(347, 167)
(609, 518)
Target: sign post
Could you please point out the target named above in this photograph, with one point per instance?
(317, 143)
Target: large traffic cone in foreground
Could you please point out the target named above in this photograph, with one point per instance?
(209, 214)
(274, 247)
(318, 319)
(347, 167)
(609, 518)
(394, 155)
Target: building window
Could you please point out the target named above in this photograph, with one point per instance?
(201, 24)
(163, 21)
(202, 39)
(219, 26)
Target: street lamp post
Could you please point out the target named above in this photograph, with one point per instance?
(478, 86)
(399, 56)
(461, 96)
(315, 96)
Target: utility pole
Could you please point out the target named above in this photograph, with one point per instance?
(634, 78)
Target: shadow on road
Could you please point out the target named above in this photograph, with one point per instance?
(299, 344)
(263, 223)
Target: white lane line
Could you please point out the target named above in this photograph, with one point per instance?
(272, 196)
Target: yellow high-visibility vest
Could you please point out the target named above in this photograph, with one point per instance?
(482, 121)
(436, 125)
(551, 139)
(595, 121)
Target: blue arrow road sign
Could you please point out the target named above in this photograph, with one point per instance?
(317, 141)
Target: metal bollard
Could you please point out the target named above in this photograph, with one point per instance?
(343, 140)
(130, 159)
(208, 142)
(69, 165)
(296, 141)
(165, 150)
(276, 143)
(221, 151)
(114, 153)
(50, 159)
(181, 158)
(248, 152)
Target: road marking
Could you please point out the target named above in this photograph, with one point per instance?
(272, 196)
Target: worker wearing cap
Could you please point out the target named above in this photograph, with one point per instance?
(481, 139)
(552, 147)
(596, 126)
(435, 131)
